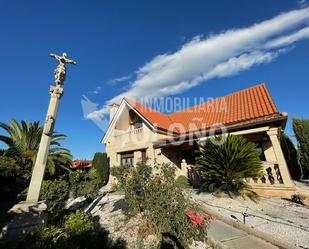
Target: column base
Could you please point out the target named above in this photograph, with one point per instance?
(27, 216)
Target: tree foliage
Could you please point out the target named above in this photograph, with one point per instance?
(224, 166)
(301, 130)
(291, 157)
(83, 183)
(101, 163)
(23, 140)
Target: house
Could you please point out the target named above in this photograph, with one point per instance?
(81, 164)
(139, 133)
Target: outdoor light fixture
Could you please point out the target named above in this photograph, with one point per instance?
(245, 214)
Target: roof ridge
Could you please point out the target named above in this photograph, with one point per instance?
(224, 96)
(154, 110)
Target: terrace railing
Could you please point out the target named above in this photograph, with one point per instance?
(134, 135)
(271, 176)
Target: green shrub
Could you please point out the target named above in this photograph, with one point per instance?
(153, 193)
(224, 166)
(101, 163)
(78, 232)
(47, 238)
(84, 183)
(115, 187)
(55, 194)
(301, 130)
(79, 223)
(291, 157)
(182, 182)
(133, 181)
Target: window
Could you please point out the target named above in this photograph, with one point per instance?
(137, 125)
(135, 120)
(144, 156)
(127, 159)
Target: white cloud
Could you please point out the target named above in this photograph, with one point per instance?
(303, 3)
(288, 39)
(96, 90)
(219, 55)
(120, 79)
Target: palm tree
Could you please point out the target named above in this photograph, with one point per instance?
(23, 142)
(224, 166)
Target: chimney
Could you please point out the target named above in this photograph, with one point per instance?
(113, 109)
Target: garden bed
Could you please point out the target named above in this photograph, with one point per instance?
(135, 231)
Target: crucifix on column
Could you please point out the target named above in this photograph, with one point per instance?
(56, 93)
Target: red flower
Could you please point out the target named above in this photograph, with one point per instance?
(191, 214)
(196, 219)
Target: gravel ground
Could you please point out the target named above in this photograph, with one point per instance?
(280, 218)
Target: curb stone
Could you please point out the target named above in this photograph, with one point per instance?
(216, 244)
(249, 230)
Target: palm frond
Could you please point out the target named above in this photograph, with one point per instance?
(23, 140)
(224, 167)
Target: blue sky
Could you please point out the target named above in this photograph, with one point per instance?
(122, 39)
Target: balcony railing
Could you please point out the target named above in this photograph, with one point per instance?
(135, 136)
(126, 133)
(271, 175)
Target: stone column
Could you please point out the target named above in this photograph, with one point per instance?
(273, 134)
(137, 157)
(184, 167)
(39, 168)
(29, 213)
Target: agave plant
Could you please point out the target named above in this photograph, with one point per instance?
(224, 166)
(23, 140)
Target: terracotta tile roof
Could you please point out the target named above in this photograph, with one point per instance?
(249, 104)
(79, 164)
(158, 119)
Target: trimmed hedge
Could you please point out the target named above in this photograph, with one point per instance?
(101, 163)
(301, 130)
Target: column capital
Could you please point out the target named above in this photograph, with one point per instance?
(56, 91)
(272, 132)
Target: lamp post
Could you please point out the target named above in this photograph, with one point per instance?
(56, 93)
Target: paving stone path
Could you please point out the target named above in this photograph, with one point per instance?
(234, 238)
